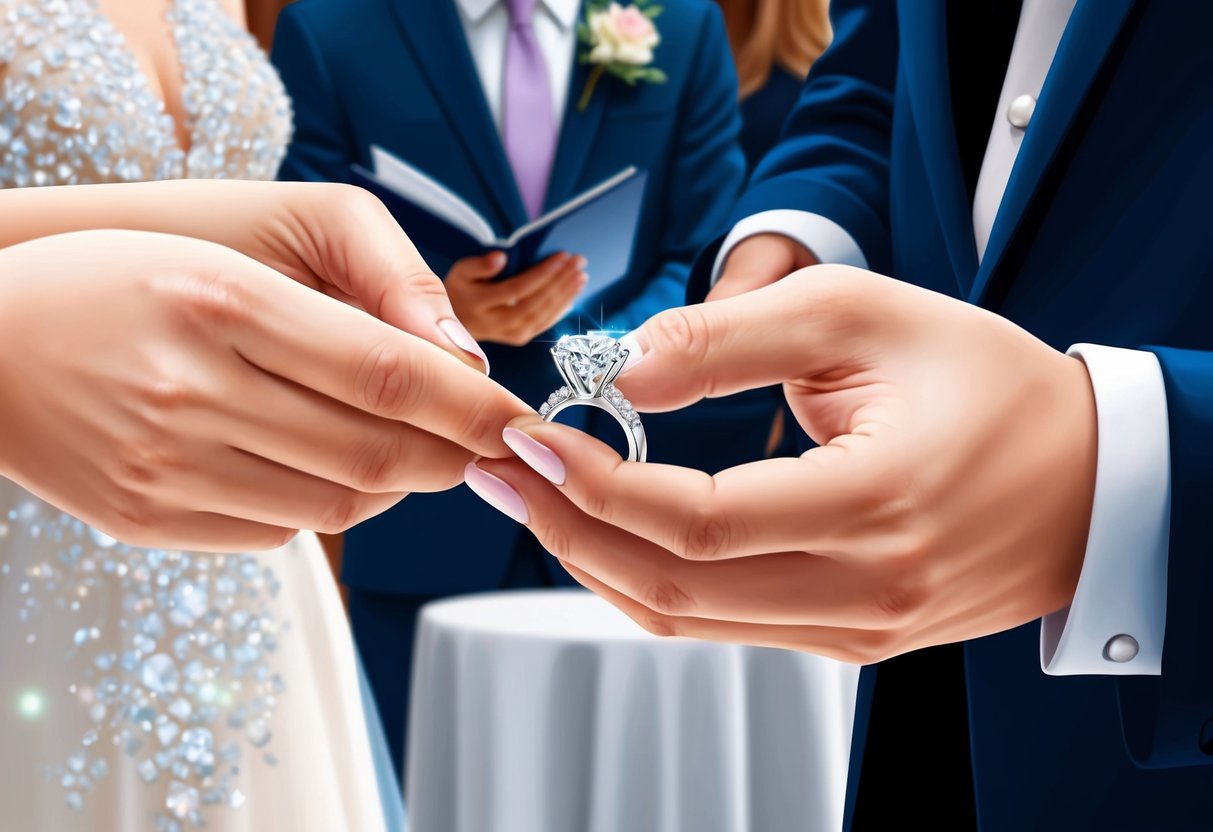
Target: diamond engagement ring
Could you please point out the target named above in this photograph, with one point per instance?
(589, 363)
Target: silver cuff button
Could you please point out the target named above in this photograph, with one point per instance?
(1121, 648)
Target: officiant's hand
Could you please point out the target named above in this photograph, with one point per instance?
(175, 393)
(517, 310)
(950, 497)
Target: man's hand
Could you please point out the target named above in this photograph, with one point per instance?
(175, 393)
(950, 497)
(760, 261)
(514, 311)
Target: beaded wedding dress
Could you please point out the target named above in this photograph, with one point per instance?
(146, 689)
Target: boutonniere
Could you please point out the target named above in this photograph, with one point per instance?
(619, 40)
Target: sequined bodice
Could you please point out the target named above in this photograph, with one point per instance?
(156, 667)
(76, 108)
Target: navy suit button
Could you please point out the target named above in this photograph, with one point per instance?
(1121, 648)
(1020, 111)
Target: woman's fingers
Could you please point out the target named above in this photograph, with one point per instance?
(248, 487)
(273, 323)
(199, 531)
(303, 430)
(364, 253)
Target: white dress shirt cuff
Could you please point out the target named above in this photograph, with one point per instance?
(829, 241)
(1116, 622)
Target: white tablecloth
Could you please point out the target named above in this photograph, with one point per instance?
(550, 711)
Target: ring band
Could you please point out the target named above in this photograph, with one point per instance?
(589, 363)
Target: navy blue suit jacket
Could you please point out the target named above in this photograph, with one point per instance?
(1102, 237)
(398, 73)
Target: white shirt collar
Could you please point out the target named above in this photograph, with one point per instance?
(564, 12)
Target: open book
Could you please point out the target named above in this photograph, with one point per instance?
(599, 224)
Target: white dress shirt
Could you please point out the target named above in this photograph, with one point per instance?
(486, 23)
(1116, 621)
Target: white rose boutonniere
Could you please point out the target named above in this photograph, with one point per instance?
(619, 40)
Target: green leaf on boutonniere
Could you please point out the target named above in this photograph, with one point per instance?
(653, 11)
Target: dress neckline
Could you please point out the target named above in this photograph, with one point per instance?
(172, 123)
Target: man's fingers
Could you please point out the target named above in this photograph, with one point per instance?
(844, 644)
(821, 502)
(789, 588)
(319, 343)
(841, 644)
(813, 322)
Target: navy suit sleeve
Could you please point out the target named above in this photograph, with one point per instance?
(319, 151)
(707, 169)
(833, 157)
(1168, 719)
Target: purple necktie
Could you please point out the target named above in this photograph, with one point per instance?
(527, 122)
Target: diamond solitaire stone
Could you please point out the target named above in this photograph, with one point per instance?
(589, 364)
(589, 358)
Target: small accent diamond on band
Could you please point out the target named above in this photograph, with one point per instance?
(589, 363)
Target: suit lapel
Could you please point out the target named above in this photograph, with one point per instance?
(578, 132)
(1090, 34)
(434, 32)
(925, 49)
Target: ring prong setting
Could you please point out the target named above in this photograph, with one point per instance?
(589, 364)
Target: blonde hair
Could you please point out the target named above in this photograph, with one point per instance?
(763, 33)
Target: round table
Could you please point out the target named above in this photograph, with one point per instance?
(551, 711)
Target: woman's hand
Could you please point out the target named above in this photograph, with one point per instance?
(337, 239)
(175, 393)
(517, 310)
(950, 497)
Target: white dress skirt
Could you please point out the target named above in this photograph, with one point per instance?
(146, 689)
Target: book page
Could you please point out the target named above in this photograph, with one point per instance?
(412, 184)
(572, 205)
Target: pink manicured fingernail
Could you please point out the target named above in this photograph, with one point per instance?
(635, 352)
(496, 492)
(463, 339)
(540, 457)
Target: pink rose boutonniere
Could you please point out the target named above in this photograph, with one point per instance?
(619, 40)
